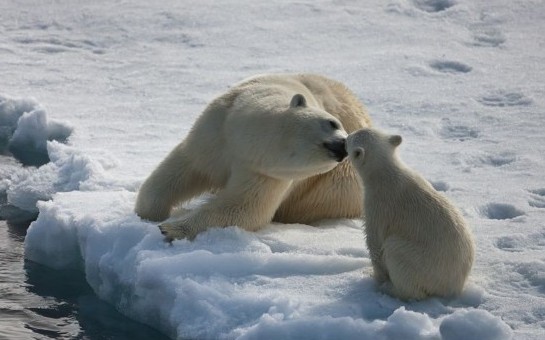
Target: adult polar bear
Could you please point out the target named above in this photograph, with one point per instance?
(270, 149)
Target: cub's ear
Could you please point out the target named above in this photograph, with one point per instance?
(395, 140)
(358, 153)
(298, 101)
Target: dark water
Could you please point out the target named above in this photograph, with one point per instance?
(37, 302)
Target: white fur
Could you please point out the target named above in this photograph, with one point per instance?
(260, 147)
(416, 238)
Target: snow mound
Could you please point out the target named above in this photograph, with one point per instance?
(25, 130)
(287, 281)
(474, 324)
(68, 170)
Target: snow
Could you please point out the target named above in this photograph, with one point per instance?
(105, 90)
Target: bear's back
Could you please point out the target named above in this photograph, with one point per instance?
(328, 94)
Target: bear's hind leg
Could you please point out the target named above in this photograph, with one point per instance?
(334, 194)
(406, 268)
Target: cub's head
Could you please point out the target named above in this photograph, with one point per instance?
(308, 140)
(371, 150)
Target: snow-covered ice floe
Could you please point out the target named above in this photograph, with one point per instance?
(288, 281)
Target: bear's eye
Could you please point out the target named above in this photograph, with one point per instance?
(357, 154)
(334, 125)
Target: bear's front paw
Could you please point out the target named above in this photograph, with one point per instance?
(175, 230)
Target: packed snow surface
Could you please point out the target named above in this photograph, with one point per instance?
(97, 93)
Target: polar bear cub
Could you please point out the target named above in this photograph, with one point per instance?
(416, 238)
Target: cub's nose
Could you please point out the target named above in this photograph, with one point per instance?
(337, 148)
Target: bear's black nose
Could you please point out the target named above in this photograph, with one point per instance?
(337, 148)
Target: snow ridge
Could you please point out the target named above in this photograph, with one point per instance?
(25, 130)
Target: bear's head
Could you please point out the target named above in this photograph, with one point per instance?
(302, 140)
(372, 150)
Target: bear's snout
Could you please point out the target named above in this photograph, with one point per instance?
(337, 148)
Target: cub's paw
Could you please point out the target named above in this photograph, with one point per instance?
(175, 230)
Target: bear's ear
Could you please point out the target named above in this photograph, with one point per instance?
(298, 101)
(358, 153)
(395, 140)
